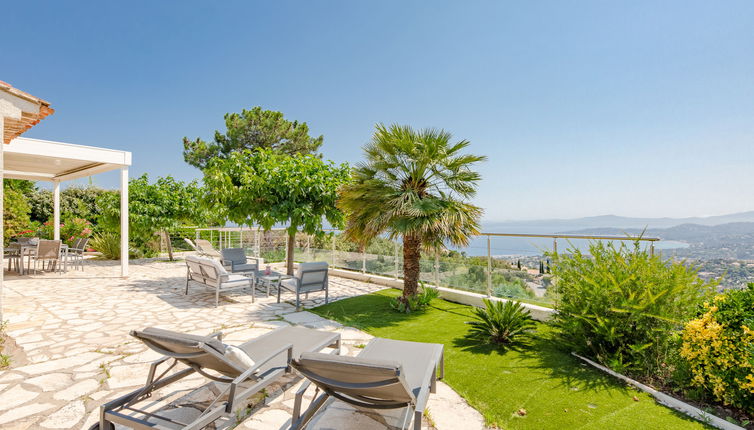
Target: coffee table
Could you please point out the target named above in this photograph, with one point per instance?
(271, 279)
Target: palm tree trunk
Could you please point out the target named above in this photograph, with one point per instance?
(289, 253)
(411, 267)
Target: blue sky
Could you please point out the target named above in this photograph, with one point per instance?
(583, 108)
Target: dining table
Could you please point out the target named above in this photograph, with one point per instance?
(28, 250)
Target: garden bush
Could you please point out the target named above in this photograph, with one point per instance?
(70, 230)
(719, 348)
(624, 307)
(107, 244)
(501, 323)
(16, 215)
(417, 302)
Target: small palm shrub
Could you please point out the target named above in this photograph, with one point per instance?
(108, 244)
(719, 348)
(500, 322)
(624, 307)
(417, 302)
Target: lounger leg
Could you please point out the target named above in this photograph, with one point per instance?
(418, 420)
(433, 381)
(314, 407)
(217, 296)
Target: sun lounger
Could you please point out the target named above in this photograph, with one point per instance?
(255, 364)
(204, 247)
(387, 374)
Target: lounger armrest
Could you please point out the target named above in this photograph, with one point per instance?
(217, 334)
(245, 375)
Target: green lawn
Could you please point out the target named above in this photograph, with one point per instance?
(556, 390)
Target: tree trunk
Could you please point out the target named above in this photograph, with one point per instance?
(168, 244)
(289, 253)
(411, 267)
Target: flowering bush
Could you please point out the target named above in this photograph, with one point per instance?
(70, 230)
(31, 231)
(719, 348)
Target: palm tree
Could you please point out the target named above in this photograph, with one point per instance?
(414, 185)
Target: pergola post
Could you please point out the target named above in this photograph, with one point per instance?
(2, 209)
(56, 209)
(124, 222)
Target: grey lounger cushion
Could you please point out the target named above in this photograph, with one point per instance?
(303, 339)
(413, 356)
(341, 370)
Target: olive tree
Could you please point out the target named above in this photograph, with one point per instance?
(267, 188)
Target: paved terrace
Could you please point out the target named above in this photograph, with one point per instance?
(76, 352)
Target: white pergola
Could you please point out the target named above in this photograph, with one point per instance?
(55, 162)
(42, 160)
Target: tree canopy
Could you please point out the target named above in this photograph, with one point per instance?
(252, 129)
(267, 188)
(161, 206)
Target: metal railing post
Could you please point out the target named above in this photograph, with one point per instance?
(651, 249)
(395, 260)
(489, 268)
(364, 259)
(333, 249)
(257, 245)
(555, 245)
(437, 268)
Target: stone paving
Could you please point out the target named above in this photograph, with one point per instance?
(73, 329)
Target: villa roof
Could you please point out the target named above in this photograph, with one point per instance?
(33, 111)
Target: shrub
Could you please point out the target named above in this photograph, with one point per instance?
(719, 348)
(108, 244)
(16, 215)
(623, 307)
(500, 322)
(417, 302)
(70, 230)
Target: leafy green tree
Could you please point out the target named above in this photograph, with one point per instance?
(16, 214)
(75, 202)
(162, 207)
(252, 129)
(266, 187)
(414, 186)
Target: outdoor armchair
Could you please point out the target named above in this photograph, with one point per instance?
(211, 274)
(235, 259)
(76, 252)
(387, 374)
(246, 369)
(309, 278)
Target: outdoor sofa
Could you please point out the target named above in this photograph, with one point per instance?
(387, 374)
(245, 370)
(211, 274)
